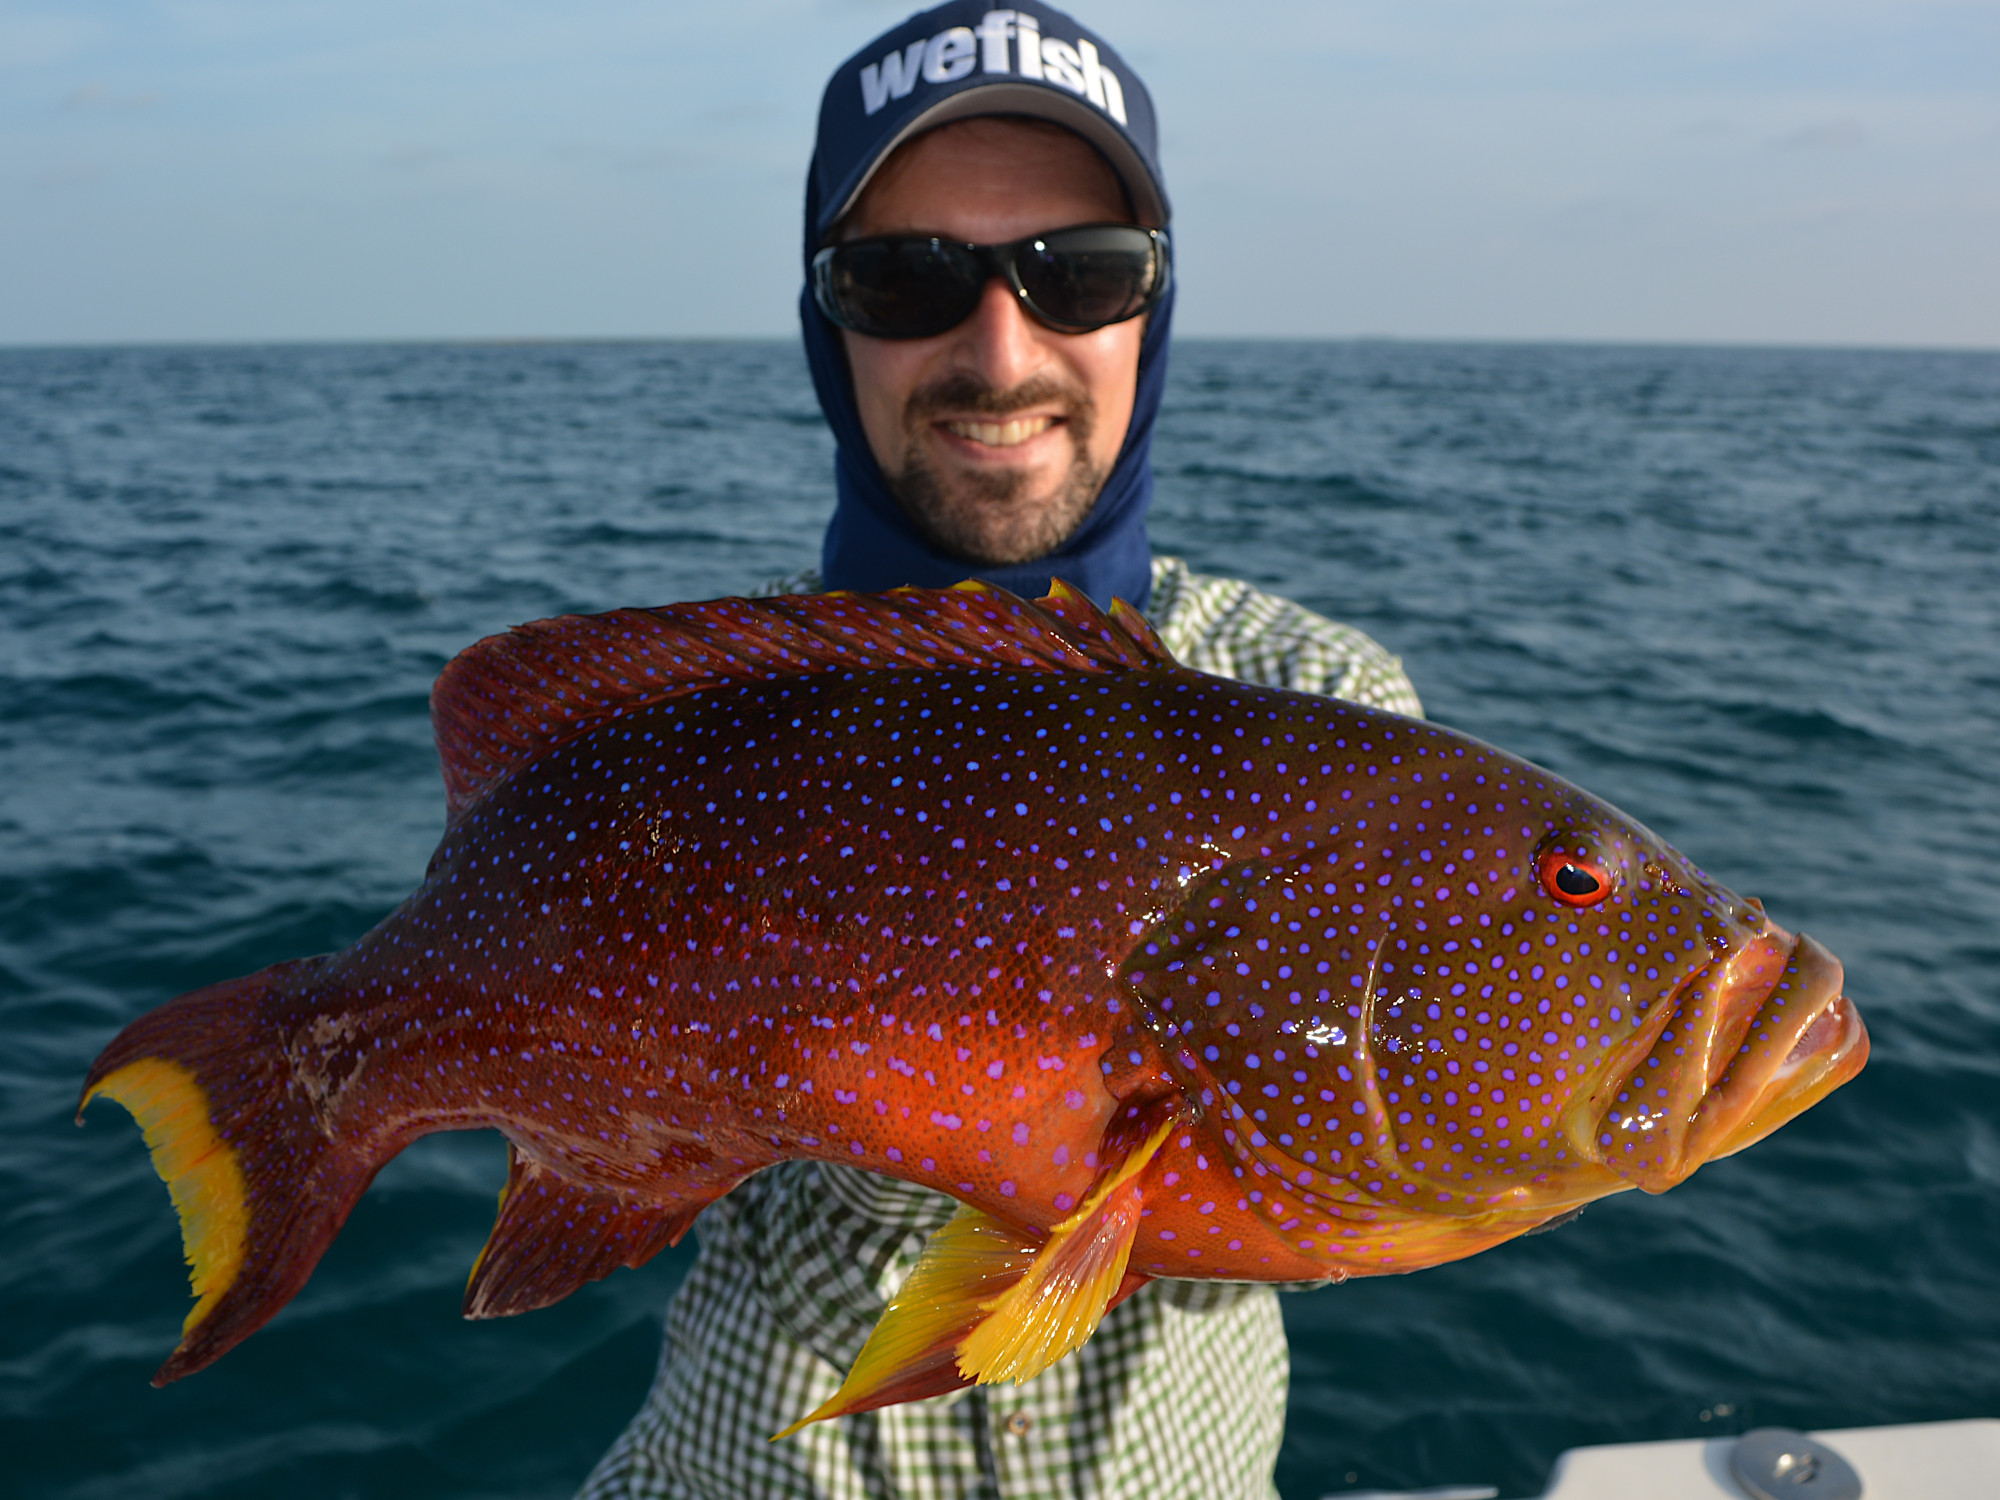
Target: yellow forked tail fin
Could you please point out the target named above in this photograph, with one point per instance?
(200, 1169)
(261, 1179)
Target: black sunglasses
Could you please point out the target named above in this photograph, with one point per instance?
(910, 286)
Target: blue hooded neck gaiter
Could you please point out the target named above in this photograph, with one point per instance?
(872, 544)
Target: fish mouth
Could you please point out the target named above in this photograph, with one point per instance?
(1753, 1041)
(1828, 1045)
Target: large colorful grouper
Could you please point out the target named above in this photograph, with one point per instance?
(1157, 974)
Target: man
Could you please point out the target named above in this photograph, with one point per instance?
(993, 410)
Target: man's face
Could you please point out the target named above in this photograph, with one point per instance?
(996, 435)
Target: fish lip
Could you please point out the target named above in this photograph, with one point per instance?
(1771, 1048)
(1818, 1043)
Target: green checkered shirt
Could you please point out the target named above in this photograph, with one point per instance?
(1180, 1392)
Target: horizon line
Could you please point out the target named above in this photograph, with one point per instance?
(509, 341)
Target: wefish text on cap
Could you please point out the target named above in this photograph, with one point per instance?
(961, 60)
(948, 56)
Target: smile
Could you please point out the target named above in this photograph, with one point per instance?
(1001, 434)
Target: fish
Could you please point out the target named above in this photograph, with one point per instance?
(1158, 974)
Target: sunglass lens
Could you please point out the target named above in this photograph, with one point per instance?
(1088, 277)
(904, 288)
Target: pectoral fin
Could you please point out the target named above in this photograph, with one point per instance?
(993, 1301)
(913, 1352)
(1057, 1304)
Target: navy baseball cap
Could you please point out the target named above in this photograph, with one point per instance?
(964, 59)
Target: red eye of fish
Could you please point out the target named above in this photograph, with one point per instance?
(1574, 879)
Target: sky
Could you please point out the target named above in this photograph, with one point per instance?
(1821, 172)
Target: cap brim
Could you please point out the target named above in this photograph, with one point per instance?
(1149, 204)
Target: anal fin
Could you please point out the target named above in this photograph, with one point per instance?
(554, 1234)
(992, 1301)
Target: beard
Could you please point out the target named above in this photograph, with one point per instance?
(992, 517)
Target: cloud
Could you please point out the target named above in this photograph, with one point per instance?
(1834, 135)
(70, 175)
(414, 158)
(38, 39)
(744, 112)
(637, 159)
(96, 97)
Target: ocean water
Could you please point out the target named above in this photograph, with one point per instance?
(1751, 597)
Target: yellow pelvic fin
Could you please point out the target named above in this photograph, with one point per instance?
(199, 1167)
(993, 1301)
(1058, 1304)
(965, 1265)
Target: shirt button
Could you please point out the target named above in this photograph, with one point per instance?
(1019, 1423)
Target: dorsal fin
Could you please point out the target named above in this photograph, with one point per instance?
(511, 698)
(1120, 638)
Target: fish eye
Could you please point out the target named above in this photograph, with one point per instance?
(1571, 876)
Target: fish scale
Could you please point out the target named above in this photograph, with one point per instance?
(1157, 974)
